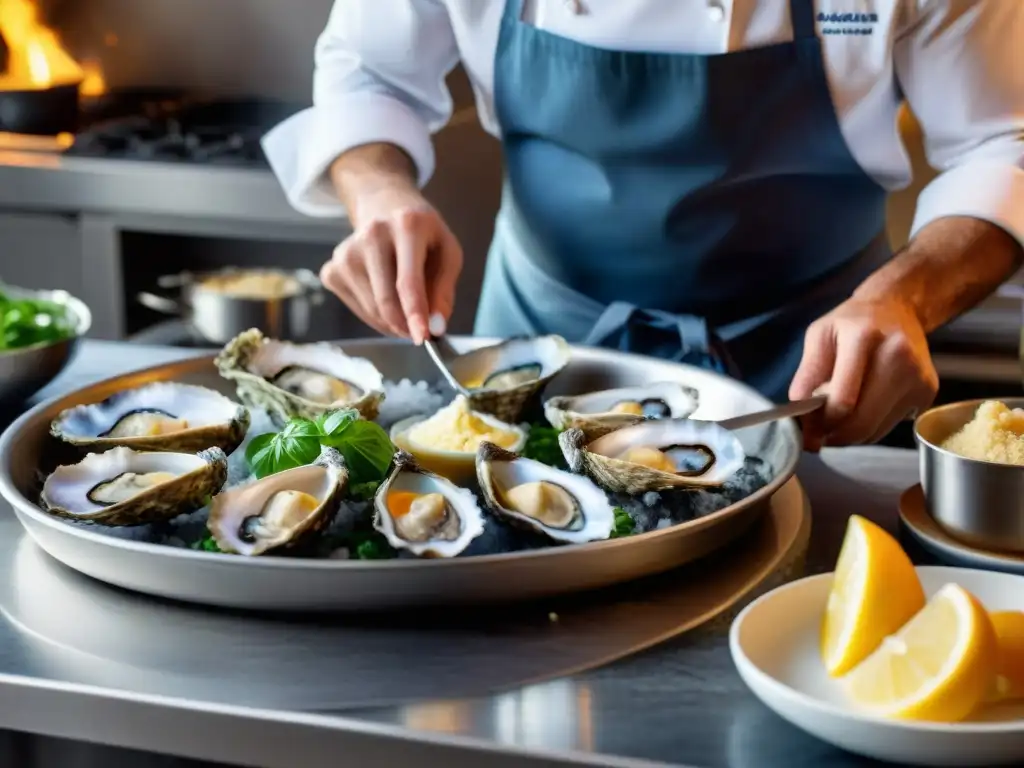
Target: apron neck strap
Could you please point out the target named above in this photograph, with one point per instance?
(801, 13)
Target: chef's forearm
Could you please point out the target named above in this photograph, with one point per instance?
(364, 172)
(950, 265)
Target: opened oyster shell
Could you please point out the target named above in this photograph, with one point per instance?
(446, 442)
(598, 413)
(424, 513)
(655, 456)
(503, 377)
(123, 487)
(566, 508)
(299, 380)
(163, 416)
(281, 511)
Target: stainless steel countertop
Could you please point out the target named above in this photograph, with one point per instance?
(680, 703)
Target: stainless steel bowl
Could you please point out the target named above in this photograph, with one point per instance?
(979, 502)
(23, 372)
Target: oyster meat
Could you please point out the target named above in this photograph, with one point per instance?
(162, 416)
(598, 413)
(423, 513)
(566, 508)
(655, 455)
(503, 377)
(281, 511)
(447, 441)
(299, 380)
(124, 487)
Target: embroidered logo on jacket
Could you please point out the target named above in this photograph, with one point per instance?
(847, 23)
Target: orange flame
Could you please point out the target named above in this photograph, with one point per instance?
(36, 58)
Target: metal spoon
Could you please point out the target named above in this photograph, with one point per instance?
(431, 344)
(789, 410)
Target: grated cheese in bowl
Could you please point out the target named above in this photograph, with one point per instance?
(996, 433)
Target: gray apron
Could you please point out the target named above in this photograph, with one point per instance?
(703, 209)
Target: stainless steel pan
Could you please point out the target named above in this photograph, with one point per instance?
(269, 583)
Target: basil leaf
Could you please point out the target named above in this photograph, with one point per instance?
(367, 450)
(296, 445)
(333, 423)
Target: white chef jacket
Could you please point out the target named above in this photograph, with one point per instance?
(381, 68)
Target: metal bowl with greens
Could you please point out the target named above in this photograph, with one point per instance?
(39, 332)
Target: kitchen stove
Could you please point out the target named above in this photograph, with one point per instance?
(168, 126)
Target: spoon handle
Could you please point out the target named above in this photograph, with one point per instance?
(435, 354)
(789, 410)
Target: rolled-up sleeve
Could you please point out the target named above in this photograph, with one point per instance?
(379, 77)
(961, 68)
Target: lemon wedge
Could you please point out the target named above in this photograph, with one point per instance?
(1009, 680)
(875, 591)
(938, 667)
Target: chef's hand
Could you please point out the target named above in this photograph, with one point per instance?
(871, 359)
(397, 271)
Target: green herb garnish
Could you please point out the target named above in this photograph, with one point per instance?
(373, 548)
(26, 322)
(363, 491)
(296, 445)
(624, 524)
(207, 544)
(542, 445)
(367, 449)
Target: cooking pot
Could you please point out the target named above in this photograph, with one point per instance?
(218, 315)
(41, 111)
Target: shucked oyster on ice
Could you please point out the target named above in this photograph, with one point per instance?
(655, 456)
(446, 442)
(163, 416)
(281, 511)
(598, 413)
(424, 513)
(503, 377)
(566, 508)
(125, 487)
(299, 380)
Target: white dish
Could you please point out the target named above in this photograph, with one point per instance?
(774, 645)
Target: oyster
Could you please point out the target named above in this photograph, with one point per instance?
(447, 441)
(655, 455)
(566, 508)
(124, 487)
(598, 413)
(281, 511)
(299, 380)
(503, 377)
(163, 416)
(424, 513)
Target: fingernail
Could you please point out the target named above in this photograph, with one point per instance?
(437, 324)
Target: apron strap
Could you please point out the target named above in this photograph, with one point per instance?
(801, 13)
(680, 338)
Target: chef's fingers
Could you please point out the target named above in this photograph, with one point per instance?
(377, 251)
(900, 411)
(414, 233)
(855, 346)
(889, 380)
(818, 360)
(444, 268)
(347, 283)
(815, 370)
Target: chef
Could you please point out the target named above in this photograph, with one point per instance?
(698, 180)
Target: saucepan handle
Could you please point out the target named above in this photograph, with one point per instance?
(180, 280)
(159, 303)
(314, 289)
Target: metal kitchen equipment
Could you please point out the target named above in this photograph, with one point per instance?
(276, 583)
(218, 317)
(25, 371)
(40, 111)
(979, 502)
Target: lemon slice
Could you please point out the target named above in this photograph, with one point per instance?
(1009, 680)
(939, 666)
(875, 591)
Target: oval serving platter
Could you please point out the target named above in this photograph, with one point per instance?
(301, 584)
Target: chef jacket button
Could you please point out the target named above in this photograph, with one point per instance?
(715, 10)
(574, 6)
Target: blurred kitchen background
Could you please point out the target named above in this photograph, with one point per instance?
(163, 172)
